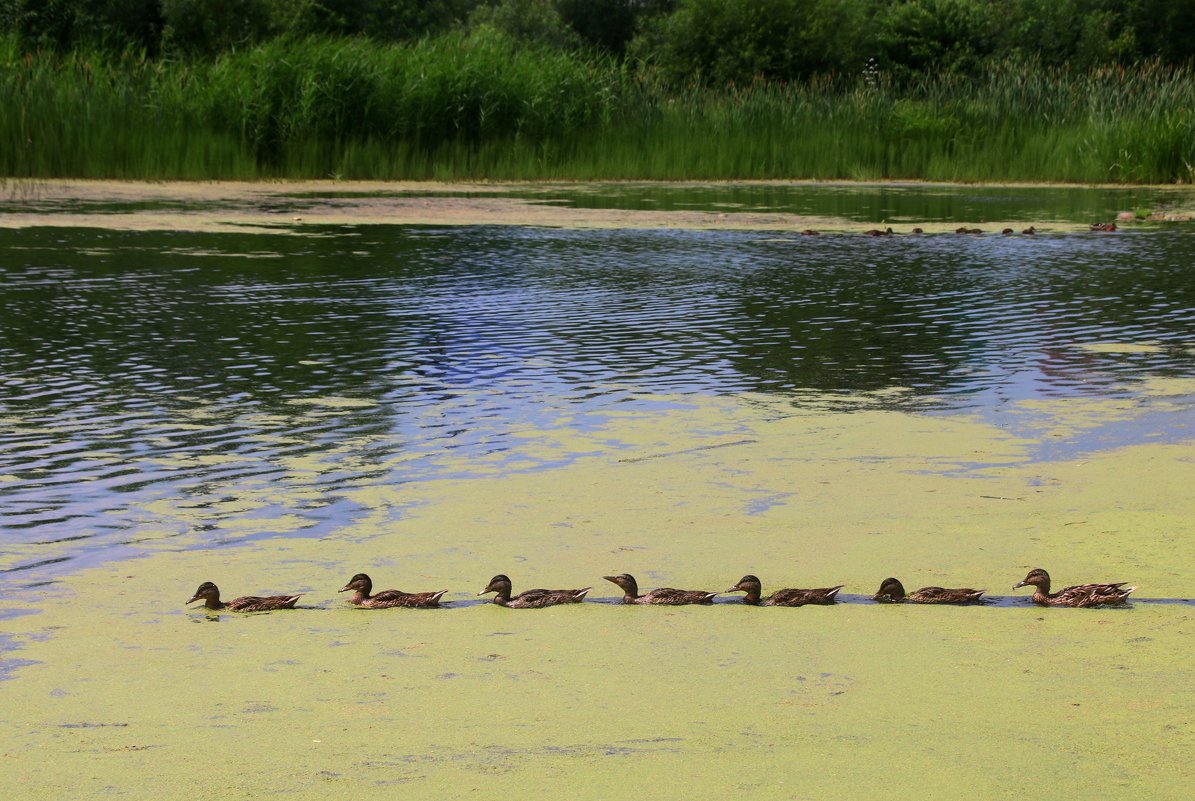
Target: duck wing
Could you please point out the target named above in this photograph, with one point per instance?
(537, 599)
(256, 603)
(1093, 594)
(798, 597)
(667, 596)
(943, 595)
(413, 600)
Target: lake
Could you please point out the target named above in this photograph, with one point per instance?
(279, 407)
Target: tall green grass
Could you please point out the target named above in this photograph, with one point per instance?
(469, 106)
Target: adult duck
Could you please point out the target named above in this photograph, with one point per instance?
(663, 596)
(893, 592)
(530, 599)
(786, 597)
(1079, 595)
(363, 586)
(210, 594)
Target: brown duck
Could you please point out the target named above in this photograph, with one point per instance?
(531, 599)
(788, 597)
(1078, 595)
(893, 592)
(363, 586)
(664, 596)
(210, 594)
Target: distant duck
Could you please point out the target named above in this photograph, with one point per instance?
(917, 231)
(664, 596)
(1079, 595)
(1008, 232)
(892, 591)
(788, 597)
(878, 232)
(809, 232)
(1103, 226)
(363, 585)
(210, 594)
(531, 599)
(1030, 231)
(966, 230)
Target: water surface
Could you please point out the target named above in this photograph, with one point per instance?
(214, 369)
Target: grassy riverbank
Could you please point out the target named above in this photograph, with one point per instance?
(478, 106)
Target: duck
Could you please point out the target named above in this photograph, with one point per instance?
(210, 594)
(788, 597)
(1103, 226)
(1079, 595)
(917, 231)
(1030, 231)
(808, 232)
(1008, 232)
(663, 596)
(878, 232)
(892, 591)
(363, 585)
(531, 599)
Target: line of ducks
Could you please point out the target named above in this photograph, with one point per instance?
(891, 591)
(1104, 227)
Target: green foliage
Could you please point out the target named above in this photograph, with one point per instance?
(481, 105)
(534, 22)
(736, 41)
(208, 27)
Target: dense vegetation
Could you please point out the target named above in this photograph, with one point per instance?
(1076, 90)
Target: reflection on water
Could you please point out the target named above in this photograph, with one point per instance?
(269, 377)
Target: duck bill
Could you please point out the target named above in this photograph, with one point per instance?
(1020, 584)
(735, 588)
(345, 588)
(194, 599)
(483, 592)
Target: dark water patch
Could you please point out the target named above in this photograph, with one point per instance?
(875, 203)
(181, 372)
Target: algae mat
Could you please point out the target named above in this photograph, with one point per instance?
(123, 693)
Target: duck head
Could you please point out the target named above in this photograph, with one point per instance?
(750, 585)
(1038, 578)
(890, 590)
(360, 583)
(499, 584)
(630, 587)
(207, 591)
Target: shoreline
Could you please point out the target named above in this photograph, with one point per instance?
(239, 206)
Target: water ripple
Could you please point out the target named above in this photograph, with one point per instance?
(143, 397)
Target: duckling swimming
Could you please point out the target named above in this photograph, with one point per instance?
(664, 596)
(210, 594)
(363, 585)
(892, 591)
(789, 597)
(1080, 595)
(531, 599)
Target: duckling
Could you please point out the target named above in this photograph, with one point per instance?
(892, 591)
(385, 599)
(531, 599)
(210, 594)
(917, 231)
(1008, 232)
(664, 596)
(878, 232)
(1079, 595)
(790, 597)
(1030, 231)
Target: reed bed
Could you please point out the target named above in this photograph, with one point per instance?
(478, 106)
